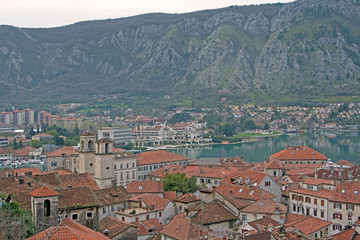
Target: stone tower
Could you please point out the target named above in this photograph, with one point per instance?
(104, 161)
(44, 202)
(86, 153)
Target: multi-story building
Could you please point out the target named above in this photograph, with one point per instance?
(7, 117)
(29, 117)
(125, 167)
(152, 160)
(118, 135)
(299, 155)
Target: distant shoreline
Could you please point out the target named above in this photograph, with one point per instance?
(249, 140)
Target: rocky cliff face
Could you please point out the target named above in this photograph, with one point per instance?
(305, 47)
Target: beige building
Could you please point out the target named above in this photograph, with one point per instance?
(125, 167)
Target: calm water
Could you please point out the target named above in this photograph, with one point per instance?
(334, 146)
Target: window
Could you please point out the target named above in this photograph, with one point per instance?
(231, 224)
(208, 181)
(244, 218)
(337, 205)
(54, 164)
(315, 212)
(294, 197)
(127, 165)
(322, 214)
(114, 166)
(136, 219)
(180, 208)
(74, 216)
(89, 215)
(159, 214)
(308, 199)
(47, 208)
(315, 201)
(337, 216)
(127, 175)
(147, 217)
(133, 165)
(301, 198)
(267, 184)
(133, 175)
(121, 166)
(349, 207)
(311, 187)
(215, 181)
(104, 210)
(274, 173)
(350, 217)
(322, 202)
(112, 208)
(201, 180)
(121, 176)
(294, 207)
(337, 227)
(307, 211)
(122, 218)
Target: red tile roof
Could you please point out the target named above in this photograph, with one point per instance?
(160, 156)
(240, 177)
(69, 230)
(77, 197)
(19, 172)
(344, 235)
(243, 192)
(187, 198)
(214, 212)
(78, 180)
(265, 222)
(151, 200)
(310, 225)
(23, 152)
(171, 195)
(344, 163)
(298, 153)
(323, 193)
(347, 192)
(111, 196)
(43, 191)
(114, 226)
(146, 186)
(319, 181)
(182, 228)
(265, 206)
(68, 150)
(152, 225)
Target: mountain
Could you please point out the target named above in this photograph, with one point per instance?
(307, 49)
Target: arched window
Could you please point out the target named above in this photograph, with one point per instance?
(127, 165)
(47, 208)
(90, 145)
(106, 148)
(82, 145)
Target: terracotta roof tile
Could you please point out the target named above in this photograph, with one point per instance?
(69, 230)
(153, 225)
(87, 133)
(171, 195)
(347, 192)
(299, 153)
(160, 156)
(111, 196)
(182, 228)
(265, 206)
(6, 150)
(68, 150)
(265, 221)
(77, 197)
(323, 193)
(78, 180)
(310, 225)
(24, 200)
(114, 226)
(213, 212)
(146, 186)
(23, 152)
(151, 200)
(19, 172)
(43, 191)
(344, 235)
(243, 192)
(259, 236)
(319, 181)
(187, 198)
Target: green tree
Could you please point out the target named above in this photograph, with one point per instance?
(180, 117)
(15, 223)
(179, 183)
(35, 144)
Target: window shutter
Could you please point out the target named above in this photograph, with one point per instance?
(340, 216)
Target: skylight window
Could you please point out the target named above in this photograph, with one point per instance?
(343, 191)
(252, 192)
(356, 192)
(240, 190)
(261, 204)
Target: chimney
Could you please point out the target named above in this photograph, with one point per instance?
(21, 181)
(29, 184)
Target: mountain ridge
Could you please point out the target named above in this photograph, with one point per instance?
(303, 48)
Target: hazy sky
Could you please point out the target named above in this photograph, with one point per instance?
(51, 13)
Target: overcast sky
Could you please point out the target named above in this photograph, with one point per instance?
(52, 13)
